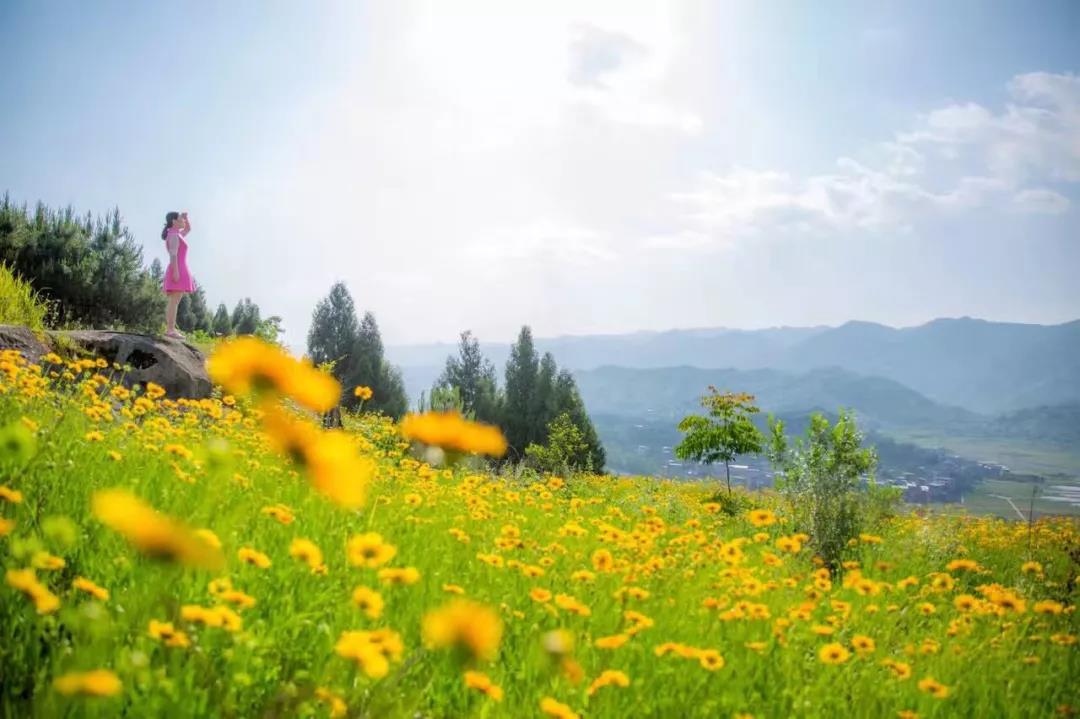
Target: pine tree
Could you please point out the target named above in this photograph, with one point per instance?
(521, 373)
(245, 317)
(568, 401)
(222, 322)
(542, 406)
(473, 377)
(369, 367)
(334, 330)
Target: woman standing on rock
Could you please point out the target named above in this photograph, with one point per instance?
(178, 281)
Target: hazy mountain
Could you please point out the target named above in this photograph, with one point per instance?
(983, 366)
(669, 394)
(988, 367)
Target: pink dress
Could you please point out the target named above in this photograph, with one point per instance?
(186, 283)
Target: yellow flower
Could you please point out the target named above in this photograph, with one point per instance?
(451, 431)
(539, 594)
(371, 650)
(280, 513)
(85, 585)
(253, 557)
(152, 533)
(369, 550)
(602, 560)
(1031, 568)
(789, 544)
(609, 677)
(399, 575)
(24, 580)
(94, 436)
(863, 645)
(965, 565)
(933, 688)
(474, 628)
(481, 682)
(6, 525)
(306, 551)
(96, 683)
(338, 708)
(368, 601)
(710, 659)
(613, 642)
(46, 561)
(331, 460)
(362, 392)
(169, 634)
(240, 599)
(248, 364)
(10, 495)
(453, 589)
(557, 709)
(833, 654)
(761, 517)
(572, 605)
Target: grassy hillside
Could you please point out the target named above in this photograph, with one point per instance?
(449, 592)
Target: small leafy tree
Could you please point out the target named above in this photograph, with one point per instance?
(727, 432)
(566, 449)
(821, 476)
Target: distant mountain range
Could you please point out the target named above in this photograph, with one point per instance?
(977, 365)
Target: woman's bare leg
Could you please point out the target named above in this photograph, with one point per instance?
(170, 312)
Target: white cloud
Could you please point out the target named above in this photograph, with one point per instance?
(989, 157)
(1040, 201)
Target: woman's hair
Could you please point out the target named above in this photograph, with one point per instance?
(169, 217)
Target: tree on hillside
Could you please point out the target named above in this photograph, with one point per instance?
(567, 401)
(90, 269)
(727, 432)
(522, 368)
(370, 368)
(473, 377)
(542, 407)
(334, 329)
(222, 324)
(566, 449)
(821, 477)
(193, 314)
(356, 351)
(245, 317)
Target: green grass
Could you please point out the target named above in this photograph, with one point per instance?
(1021, 456)
(19, 304)
(662, 537)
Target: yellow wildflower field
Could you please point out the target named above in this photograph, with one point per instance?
(229, 557)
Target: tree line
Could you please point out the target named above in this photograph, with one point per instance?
(90, 271)
(538, 407)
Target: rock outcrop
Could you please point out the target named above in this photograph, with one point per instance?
(174, 364)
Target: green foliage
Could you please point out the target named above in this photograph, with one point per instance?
(90, 269)
(245, 317)
(536, 394)
(727, 432)
(356, 351)
(473, 377)
(821, 477)
(222, 324)
(444, 399)
(19, 303)
(566, 450)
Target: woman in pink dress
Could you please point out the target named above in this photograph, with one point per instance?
(178, 281)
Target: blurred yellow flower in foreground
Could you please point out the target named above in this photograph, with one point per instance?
(248, 364)
(24, 580)
(96, 683)
(453, 432)
(465, 625)
(152, 533)
(333, 464)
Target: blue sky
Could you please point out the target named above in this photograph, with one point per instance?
(581, 167)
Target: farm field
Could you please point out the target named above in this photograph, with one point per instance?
(228, 557)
